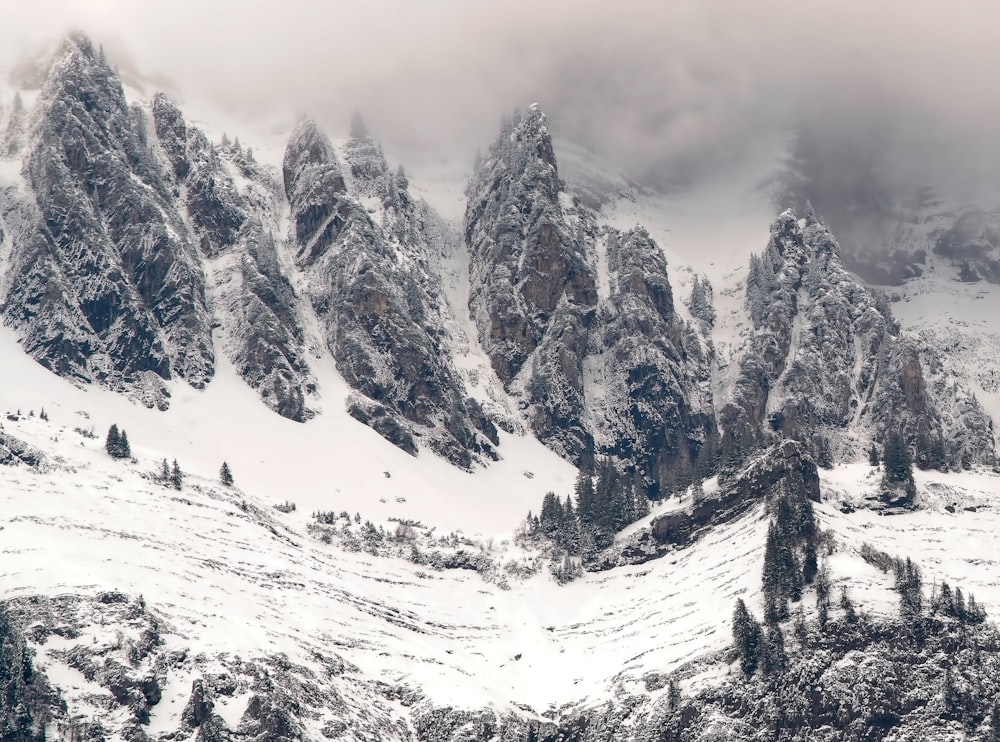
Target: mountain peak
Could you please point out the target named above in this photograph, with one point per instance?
(307, 146)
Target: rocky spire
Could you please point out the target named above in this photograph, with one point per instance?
(107, 287)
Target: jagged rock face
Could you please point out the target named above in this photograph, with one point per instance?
(215, 207)
(651, 366)
(533, 294)
(380, 301)
(735, 495)
(105, 287)
(621, 375)
(524, 260)
(826, 355)
(265, 340)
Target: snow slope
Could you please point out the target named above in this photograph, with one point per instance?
(230, 580)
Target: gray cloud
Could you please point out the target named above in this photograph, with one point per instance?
(665, 90)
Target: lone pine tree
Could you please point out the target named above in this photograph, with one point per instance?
(898, 466)
(226, 475)
(747, 637)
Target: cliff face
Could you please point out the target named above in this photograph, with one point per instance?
(616, 374)
(826, 355)
(134, 238)
(378, 299)
(105, 284)
(236, 229)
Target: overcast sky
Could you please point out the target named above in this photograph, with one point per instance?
(674, 85)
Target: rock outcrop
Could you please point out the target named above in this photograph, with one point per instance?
(236, 229)
(378, 298)
(105, 284)
(611, 371)
(827, 356)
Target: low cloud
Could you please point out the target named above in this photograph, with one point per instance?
(665, 91)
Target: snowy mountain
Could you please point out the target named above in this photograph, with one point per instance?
(394, 389)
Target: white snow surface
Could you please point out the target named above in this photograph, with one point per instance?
(227, 582)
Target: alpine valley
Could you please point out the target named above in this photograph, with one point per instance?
(530, 453)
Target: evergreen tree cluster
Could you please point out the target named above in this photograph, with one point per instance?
(909, 585)
(790, 555)
(861, 677)
(953, 604)
(600, 507)
(171, 476)
(22, 690)
(755, 647)
(116, 444)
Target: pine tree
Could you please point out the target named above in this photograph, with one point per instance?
(874, 459)
(910, 587)
(226, 475)
(823, 452)
(823, 594)
(164, 472)
(847, 605)
(810, 562)
(773, 657)
(584, 491)
(747, 637)
(950, 695)
(673, 695)
(112, 443)
(18, 682)
(898, 465)
(116, 444)
(176, 476)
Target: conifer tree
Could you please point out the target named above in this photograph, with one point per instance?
(673, 695)
(17, 682)
(226, 475)
(747, 637)
(810, 562)
(874, 459)
(773, 657)
(124, 449)
(113, 441)
(823, 594)
(898, 465)
(176, 476)
(164, 472)
(584, 491)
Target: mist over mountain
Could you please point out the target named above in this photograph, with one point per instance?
(576, 373)
(667, 93)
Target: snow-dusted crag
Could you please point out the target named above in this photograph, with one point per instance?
(237, 230)
(579, 320)
(378, 298)
(103, 283)
(827, 356)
